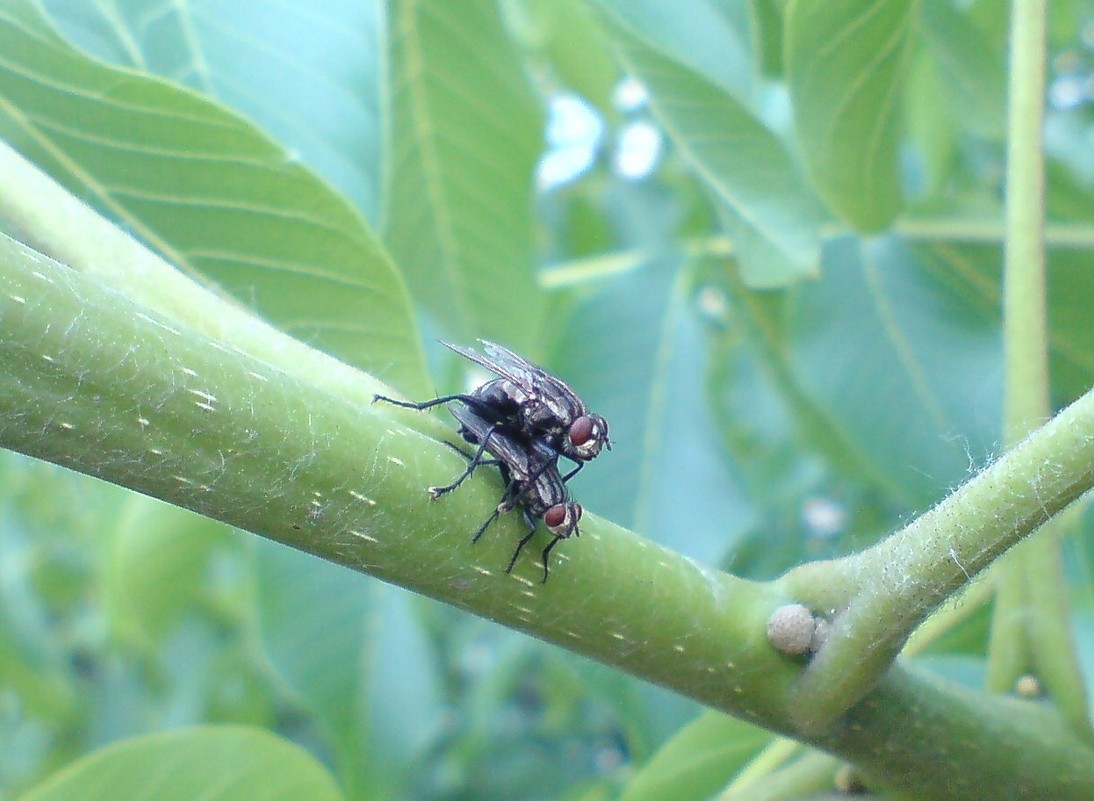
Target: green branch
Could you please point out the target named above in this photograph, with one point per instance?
(61, 226)
(94, 381)
(879, 596)
(1030, 629)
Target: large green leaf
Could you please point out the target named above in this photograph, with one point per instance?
(838, 406)
(464, 133)
(846, 64)
(974, 75)
(973, 269)
(158, 555)
(888, 369)
(229, 763)
(323, 629)
(210, 191)
(712, 39)
(769, 213)
(699, 760)
(306, 71)
(578, 51)
(903, 365)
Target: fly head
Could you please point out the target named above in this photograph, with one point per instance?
(562, 519)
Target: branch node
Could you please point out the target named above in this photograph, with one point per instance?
(795, 631)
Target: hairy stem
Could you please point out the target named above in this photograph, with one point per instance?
(1030, 629)
(91, 380)
(879, 596)
(61, 226)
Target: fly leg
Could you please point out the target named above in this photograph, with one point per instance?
(482, 529)
(470, 456)
(573, 472)
(503, 506)
(470, 401)
(476, 460)
(429, 404)
(524, 541)
(546, 554)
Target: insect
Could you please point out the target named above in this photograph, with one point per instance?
(532, 482)
(528, 403)
(525, 420)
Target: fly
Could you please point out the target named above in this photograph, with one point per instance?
(532, 482)
(525, 419)
(528, 403)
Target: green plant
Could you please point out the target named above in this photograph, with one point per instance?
(797, 327)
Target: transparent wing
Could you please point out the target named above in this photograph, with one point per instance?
(534, 380)
(521, 378)
(513, 363)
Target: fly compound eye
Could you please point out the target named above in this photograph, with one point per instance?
(581, 431)
(587, 436)
(555, 518)
(561, 519)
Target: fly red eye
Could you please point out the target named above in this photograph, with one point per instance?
(555, 516)
(582, 430)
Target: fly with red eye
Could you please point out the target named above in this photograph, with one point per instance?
(528, 400)
(531, 481)
(525, 419)
(528, 403)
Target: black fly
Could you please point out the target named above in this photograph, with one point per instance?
(525, 419)
(528, 403)
(531, 482)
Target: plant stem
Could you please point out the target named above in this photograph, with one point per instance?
(771, 778)
(879, 596)
(1030, 627)
(93, 381)
(1024, 331)
(61, 226)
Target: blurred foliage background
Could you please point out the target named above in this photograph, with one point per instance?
(762, 239)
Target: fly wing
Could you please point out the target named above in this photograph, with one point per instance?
(534, 380)
(501, 445)
(517, 376)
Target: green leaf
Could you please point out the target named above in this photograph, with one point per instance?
(211, 192)
(769, 36)
(836, 409)
(307, 72)
(465, 133)
(226, 763)
(312, 618)
(698, 761)
(974, 75)
(158, 556)
(352, 652)
(908, 419)
(567, 34)
(932, 125)
(711, 39)
(974, 270)
(769, 213)
(846, 64)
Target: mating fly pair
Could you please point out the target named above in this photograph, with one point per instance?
(525, 419)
